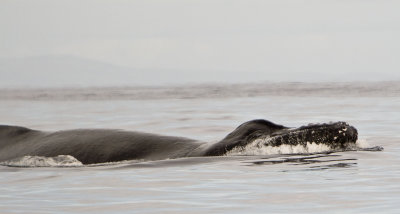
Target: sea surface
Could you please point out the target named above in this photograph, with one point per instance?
(280, 182)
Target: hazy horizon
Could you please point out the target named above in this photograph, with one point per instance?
(111, 43)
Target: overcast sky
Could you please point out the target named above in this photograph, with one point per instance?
(278, 40)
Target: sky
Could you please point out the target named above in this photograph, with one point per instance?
(201, 41)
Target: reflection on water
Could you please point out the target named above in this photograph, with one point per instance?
(318, 162)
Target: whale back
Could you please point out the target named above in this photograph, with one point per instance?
(92, 145)
(8, 132)
(244, 134)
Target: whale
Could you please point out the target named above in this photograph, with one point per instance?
(92, 146)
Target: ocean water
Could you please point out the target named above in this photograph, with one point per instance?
(336, 182)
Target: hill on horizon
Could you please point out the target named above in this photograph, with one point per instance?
(72, 71)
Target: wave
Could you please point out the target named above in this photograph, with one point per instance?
(40, 161)
(200, 91)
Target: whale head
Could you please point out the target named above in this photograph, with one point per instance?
(336, 135)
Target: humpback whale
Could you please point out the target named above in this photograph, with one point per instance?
(91, 146)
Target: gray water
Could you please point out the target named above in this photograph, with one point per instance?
(350, 182)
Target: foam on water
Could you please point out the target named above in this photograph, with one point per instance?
(40, 161)
(362, 143)
(258, 147)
